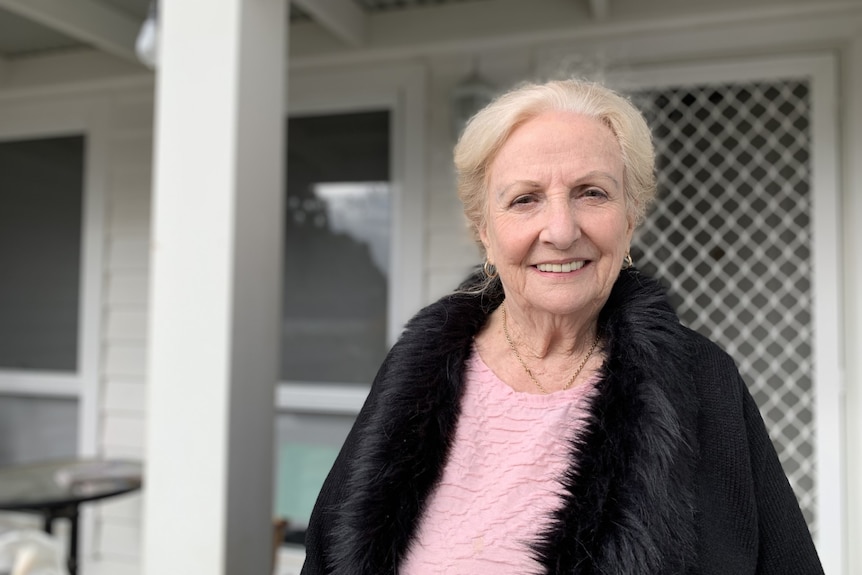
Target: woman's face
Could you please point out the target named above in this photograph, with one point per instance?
(557, 227)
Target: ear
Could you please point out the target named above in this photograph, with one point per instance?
(631, 222)
(486, 242)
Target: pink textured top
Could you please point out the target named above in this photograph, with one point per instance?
(502, 480)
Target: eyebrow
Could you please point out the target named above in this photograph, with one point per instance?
(525, 183)
(532, 184)
(600, 174)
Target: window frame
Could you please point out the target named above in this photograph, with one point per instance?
(23, 118)
(400, 90)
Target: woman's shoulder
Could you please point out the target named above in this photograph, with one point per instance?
(641, 313)
(708, 352)
(714, 372)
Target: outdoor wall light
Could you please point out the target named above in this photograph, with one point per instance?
(468, 97)
(147, 44)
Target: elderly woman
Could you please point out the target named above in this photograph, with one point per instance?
(552, 415)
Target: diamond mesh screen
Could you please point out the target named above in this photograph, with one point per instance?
(730, 235)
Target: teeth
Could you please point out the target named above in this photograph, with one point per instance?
(561, 268)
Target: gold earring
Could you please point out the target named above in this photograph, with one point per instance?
(627, 261)
(489, 269)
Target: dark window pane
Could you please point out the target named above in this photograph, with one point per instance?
(337, 235)
(41, 191)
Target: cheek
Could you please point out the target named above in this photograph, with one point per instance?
(616, 234)
(508, 241)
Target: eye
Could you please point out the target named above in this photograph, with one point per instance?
(524, 200)
(595, 193)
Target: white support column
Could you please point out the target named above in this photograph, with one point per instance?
(852, 122)
(215, 291)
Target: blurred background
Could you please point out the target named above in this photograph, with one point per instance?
(756, 110)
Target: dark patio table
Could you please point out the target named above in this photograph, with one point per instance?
(56, 489)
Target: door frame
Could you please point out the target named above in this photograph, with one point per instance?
(820, 70)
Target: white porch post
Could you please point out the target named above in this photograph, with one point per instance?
(852, 57)
(215, 291)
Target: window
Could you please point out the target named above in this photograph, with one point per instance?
(337, 238)
(354, 211)
(41, 191)
(41, 186)
(338, 232)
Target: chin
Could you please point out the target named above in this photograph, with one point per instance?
(567, 306)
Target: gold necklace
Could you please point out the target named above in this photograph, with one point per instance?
(527, 369)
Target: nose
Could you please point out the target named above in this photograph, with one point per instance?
(562, 226)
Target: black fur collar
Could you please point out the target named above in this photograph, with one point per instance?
(629, 500)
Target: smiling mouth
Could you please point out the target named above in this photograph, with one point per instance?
(561, 268)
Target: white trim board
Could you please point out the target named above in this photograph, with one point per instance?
(319, 398)
(39, 384)
(851, 132)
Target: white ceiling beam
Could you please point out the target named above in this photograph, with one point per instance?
(341, 18)
(87, 21)
(600, 9)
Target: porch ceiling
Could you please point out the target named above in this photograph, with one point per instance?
(31, 27)
(335, 30)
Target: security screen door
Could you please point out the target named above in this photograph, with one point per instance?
(732, 236)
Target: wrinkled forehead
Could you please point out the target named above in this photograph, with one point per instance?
(556, 144)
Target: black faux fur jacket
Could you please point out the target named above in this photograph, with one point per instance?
(675, 474)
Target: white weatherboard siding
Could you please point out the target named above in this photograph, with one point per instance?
(116, 533)
(452, 253)
(117, 121)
